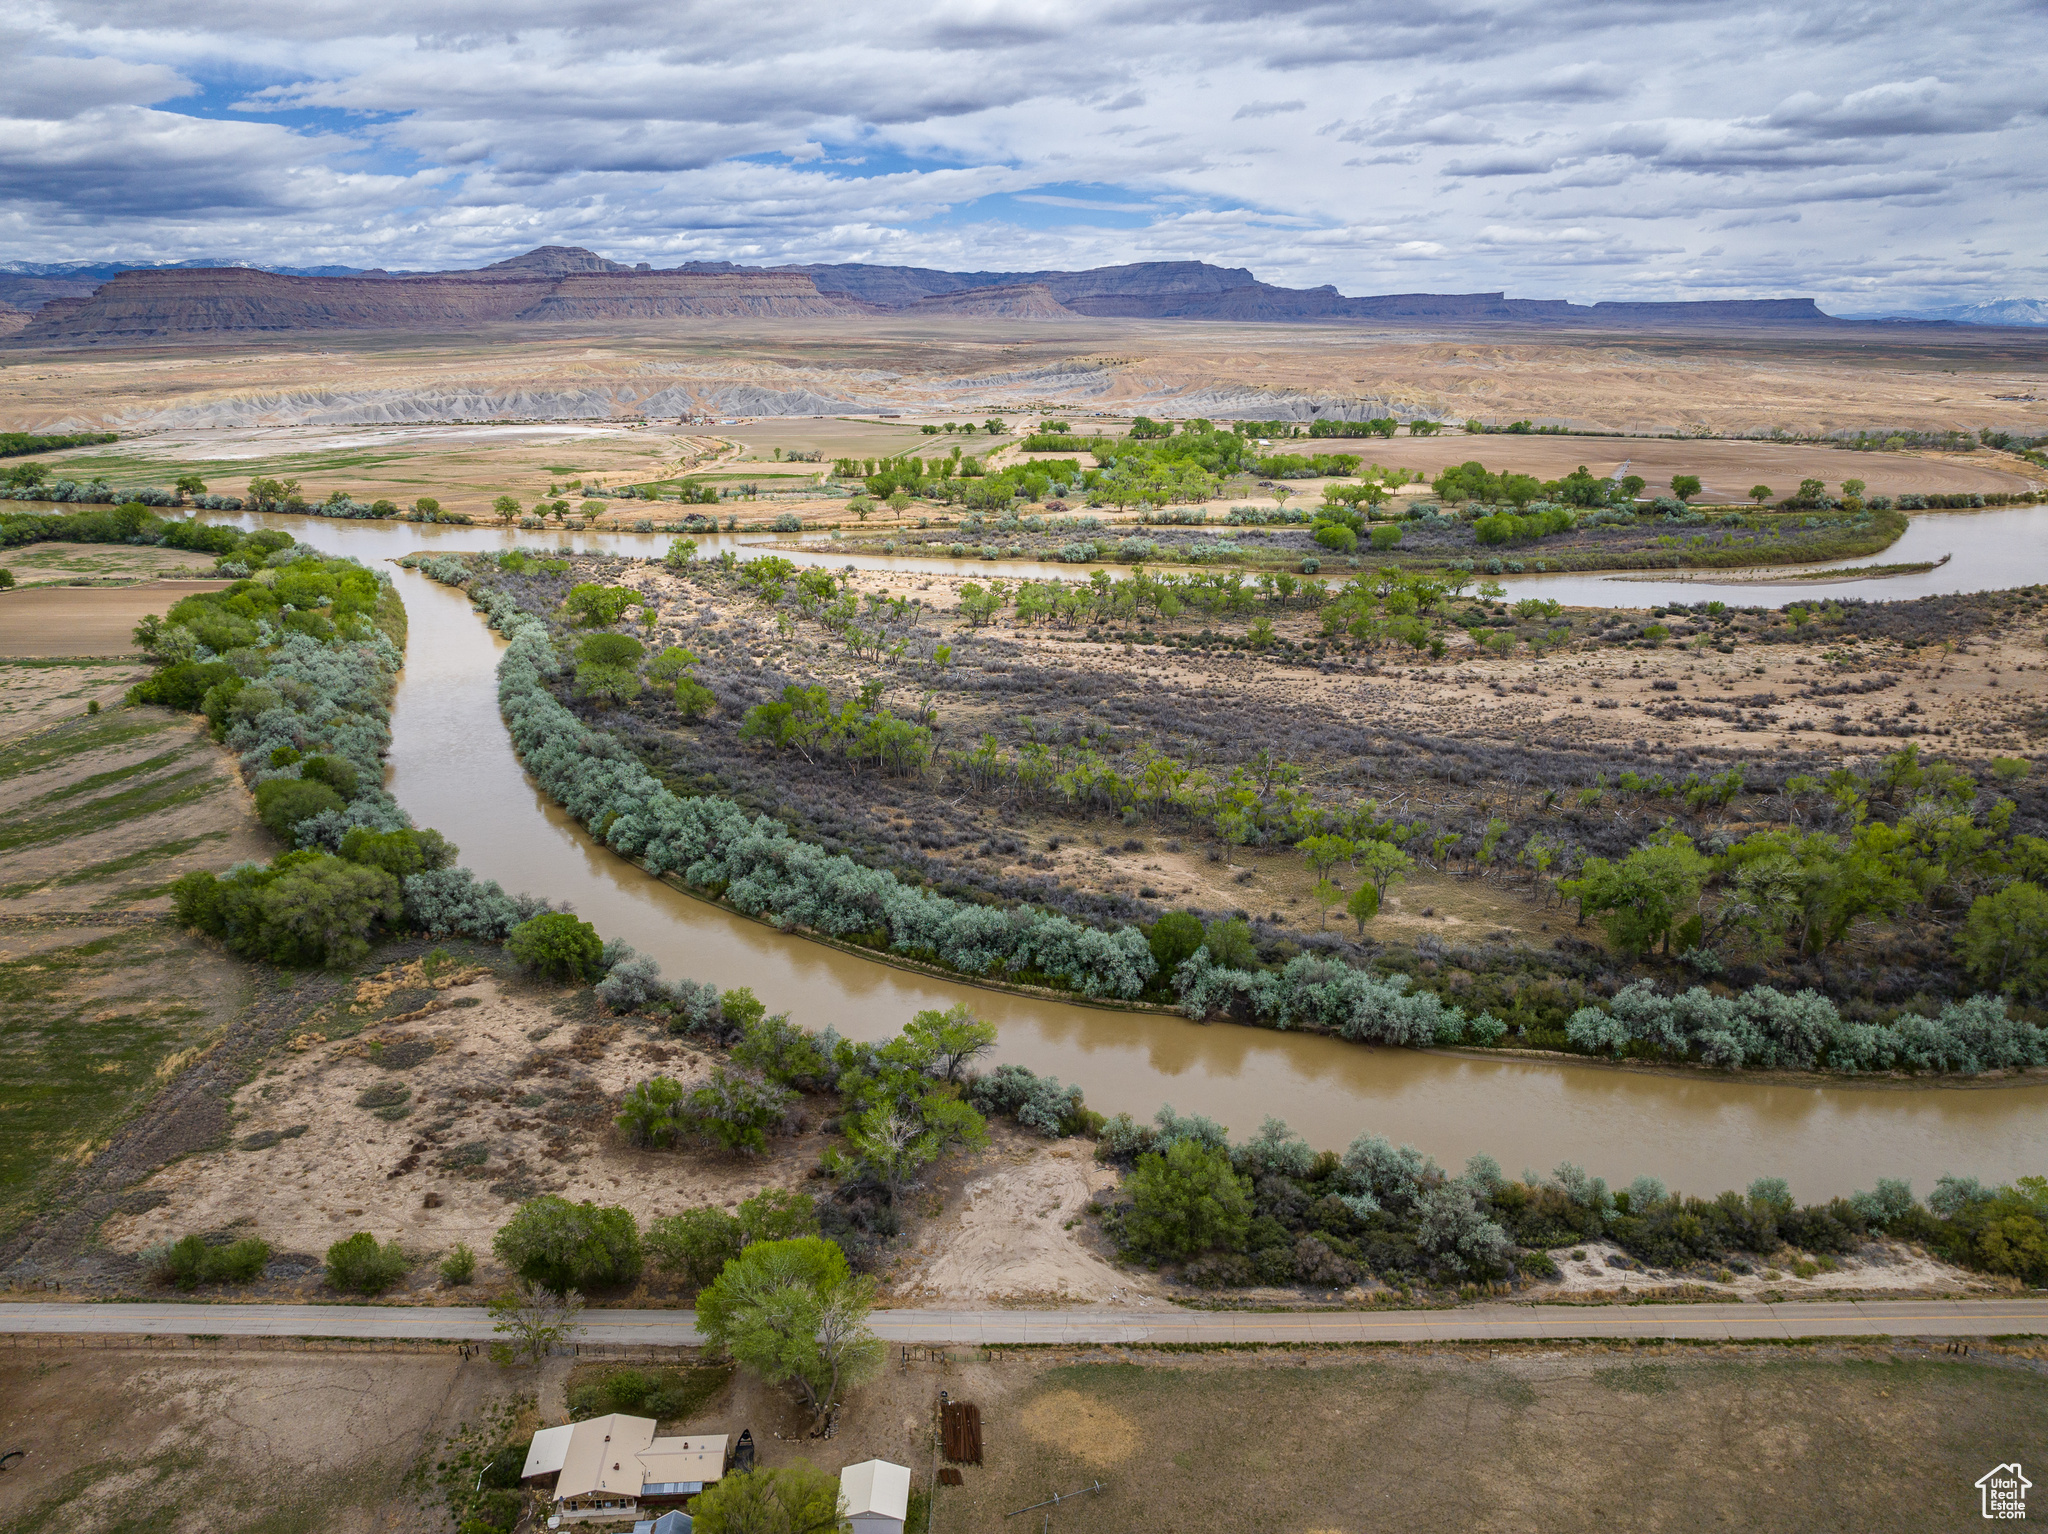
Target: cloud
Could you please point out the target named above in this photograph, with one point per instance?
(1499, 145)
(1267, 109)
(1509, 163)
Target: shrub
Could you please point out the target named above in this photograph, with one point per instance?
(305, 908)
(557, 945)
(694, 1245)
(1036, 1102)
(562, 1246)
(1185, 1201)
(282, 803)
(459, 1266)
(358, 1265)
(190, 1262)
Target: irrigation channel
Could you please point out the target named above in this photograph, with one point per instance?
(452, 767)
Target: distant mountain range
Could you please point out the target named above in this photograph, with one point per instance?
(1998, 311)
(85, 303)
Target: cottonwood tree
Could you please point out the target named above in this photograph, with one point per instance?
(797, 1498)
(953, 1037)
(793, 1313)
(534, 1321)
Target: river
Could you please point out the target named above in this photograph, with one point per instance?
(452, 767)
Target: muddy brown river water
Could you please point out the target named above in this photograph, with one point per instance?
(452, 767)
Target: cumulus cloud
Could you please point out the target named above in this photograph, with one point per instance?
(1514, 145)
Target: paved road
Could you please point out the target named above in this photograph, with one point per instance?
(1818, 1318)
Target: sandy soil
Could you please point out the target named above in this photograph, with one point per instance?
(1883, 1267)
(73, 620)
(221, 1443)
(512, 1101)
(1007, 1239)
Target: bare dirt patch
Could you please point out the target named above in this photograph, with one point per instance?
(36, 693)
(224, 1443)
(80, 620)
(1008, 1238)
(1599, 1269)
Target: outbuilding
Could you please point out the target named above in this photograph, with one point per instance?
(875, 1496)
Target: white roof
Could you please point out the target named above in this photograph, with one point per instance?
(875, 1486)
(550, 1448)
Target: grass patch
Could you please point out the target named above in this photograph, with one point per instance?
(88, 1034)
(100, 780)
(112, 810)
(1803, 1439)
(90, 732)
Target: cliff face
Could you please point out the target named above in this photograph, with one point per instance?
(1021, 301)
(566, 285)
(148, 306)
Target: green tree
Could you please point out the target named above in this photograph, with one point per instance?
(1632, 486)
(1363, 906)
(1174, 939)
(399, 853)
(1685, 486)
(792, 1313)
(358, 1265)
(2004, 939)
(189, 484)
(954, 1037)
(777, 1214)
(281, 803)
(506, 508)
(427, 507)
(323, 912)
(1381, 864)
(1229, 941)
(562, 1246)
(1759, 493)
(796, 1498)
(557, 945)
(591, 605)
(671, 665)
(1326, 892)
(694, 1245)
(1186, 1200)
(1641, 898)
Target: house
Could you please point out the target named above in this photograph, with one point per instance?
(608, 1467)
(875, 1496)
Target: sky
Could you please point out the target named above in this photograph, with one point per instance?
(1870, 155)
